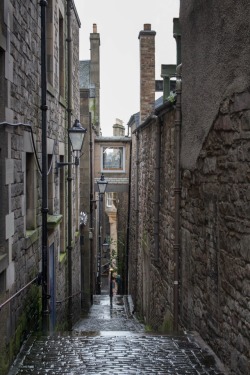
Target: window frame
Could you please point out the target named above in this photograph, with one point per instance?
(122, 160)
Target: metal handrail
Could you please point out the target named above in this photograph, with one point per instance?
(17, 293)
(67, 298)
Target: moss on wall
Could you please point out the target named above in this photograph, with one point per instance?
(29, 321)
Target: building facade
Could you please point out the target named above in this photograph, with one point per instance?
(26, 261)
(89, 76)
(188, 247)
(112, 159)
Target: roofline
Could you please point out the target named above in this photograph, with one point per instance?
(158, 112)
(113, 139)
(76, 14)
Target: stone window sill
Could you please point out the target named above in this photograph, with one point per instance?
(53, 221)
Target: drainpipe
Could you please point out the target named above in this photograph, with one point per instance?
(69, 179)
(44, 107)
(125, 288)
(157, 188)
(91, 211)
(177, 192)
(137, 214)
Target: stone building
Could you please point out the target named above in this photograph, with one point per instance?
(189, 224)
(107, 218)
(89, 77)
(23, 264)
(112, 159)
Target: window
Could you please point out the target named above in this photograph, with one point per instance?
(62, 206)
(61, 56)
(2, 282)
(2, 85)
(50, 186)
(109, 200)
(113, 159)
(30, 190)
(50, 42)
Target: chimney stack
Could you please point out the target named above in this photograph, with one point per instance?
(118, 128)
(147, 71)
(95, 72)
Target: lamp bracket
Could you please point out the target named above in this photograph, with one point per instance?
(63, 164)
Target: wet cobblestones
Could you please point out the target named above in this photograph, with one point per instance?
(110, 341)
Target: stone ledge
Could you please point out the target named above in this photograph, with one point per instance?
(31, 236)
(62, 257)
(53, 221)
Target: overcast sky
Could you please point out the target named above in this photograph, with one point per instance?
(119, 23)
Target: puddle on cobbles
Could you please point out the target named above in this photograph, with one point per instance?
(109, 339)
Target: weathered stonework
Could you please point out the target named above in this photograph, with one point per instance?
(215, 237)
(214, 218)
(20, 228)
(151, 269)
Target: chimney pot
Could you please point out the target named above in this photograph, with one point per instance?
(147, 26)
(94, 28)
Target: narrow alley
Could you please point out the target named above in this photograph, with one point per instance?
(110, 340)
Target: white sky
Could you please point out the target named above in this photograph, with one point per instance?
(119, 23)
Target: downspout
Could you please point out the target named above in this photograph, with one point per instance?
(137, 214)
(125, 291)
(177, 192)
(69, 179)
(44, 209)
(157, 188)
(91, 211)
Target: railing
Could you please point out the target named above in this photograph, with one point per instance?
(67, 298)
(17, 293)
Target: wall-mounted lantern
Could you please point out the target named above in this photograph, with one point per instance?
(76, 137)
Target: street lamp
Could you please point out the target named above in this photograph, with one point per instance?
(102, 184)
(105, 246)
(76, 136)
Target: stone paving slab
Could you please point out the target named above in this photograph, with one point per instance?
(110, 341)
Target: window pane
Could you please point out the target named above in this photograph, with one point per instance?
(113, 158)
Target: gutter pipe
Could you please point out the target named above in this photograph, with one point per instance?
(44, 209)
(137, 214)
(177, 192)
(69, 179)
(157, 188)
(92, 291)
(125, 291)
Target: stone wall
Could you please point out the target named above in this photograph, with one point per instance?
(214, 173)
(151, 265)
(215, 237)
(122, 227)
(213, 37)
(214, 233)
(20, 246)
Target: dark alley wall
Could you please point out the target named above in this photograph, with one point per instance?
(214, 278)
(151, 265)
(215, 56)
(215, 237)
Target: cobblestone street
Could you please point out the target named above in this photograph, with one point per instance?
(110, 340)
